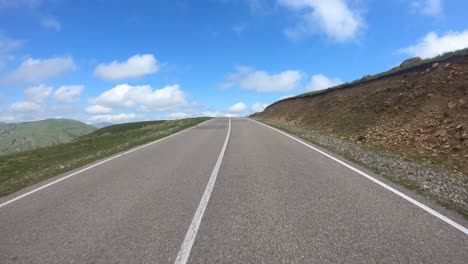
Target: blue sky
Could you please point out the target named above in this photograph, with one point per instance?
(120, 61)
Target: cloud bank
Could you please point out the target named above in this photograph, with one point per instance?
(432, 44)
(142, 97)
(261, 81)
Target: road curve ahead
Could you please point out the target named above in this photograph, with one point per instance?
(226, 191)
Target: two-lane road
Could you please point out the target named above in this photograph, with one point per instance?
(223, 192)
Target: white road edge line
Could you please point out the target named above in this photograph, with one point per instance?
(186, 247)
(94, 165)
(395, 191)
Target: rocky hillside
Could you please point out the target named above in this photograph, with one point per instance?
(420, 112)
(31, 135)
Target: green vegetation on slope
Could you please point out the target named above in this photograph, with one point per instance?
(20, 170)
(31, 135)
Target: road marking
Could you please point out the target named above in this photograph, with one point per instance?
(185, 249)
(92, 166)
(395, 191)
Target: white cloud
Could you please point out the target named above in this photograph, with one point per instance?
(35, 70)
(7, 118)
(219, 114)
(68, 93)
(432, 44)
(286, 96)
(34, 106)
(179, 115)
(232, 115)
(25, 106)
(237, 108)
(143, 97)
(428, 7)
(98, 109)
(38, 93)
(258, 107)
(51, 23)
(7, 46)
(136, 66)
(212, 113)
(334, 18)
(261, 81)
(320, 82)
(117, 118)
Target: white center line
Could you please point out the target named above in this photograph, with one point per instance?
(186, 248)
(395, 191)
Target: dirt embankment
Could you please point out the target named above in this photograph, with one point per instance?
(421, 113)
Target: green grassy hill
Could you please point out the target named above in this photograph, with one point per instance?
(19, 170)
(19, 137)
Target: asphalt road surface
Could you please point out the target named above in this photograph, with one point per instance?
(226, 191)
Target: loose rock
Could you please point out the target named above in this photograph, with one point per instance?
(451, 104)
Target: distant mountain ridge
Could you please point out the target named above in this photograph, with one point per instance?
(17, 137)
(101, 124)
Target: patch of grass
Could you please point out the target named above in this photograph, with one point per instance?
(408, 184)
(22, 169)
(449, 205)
